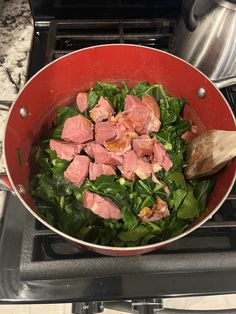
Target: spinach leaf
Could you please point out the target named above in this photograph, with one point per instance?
(64, 113)
(190, 207)
(177, 178)
(134, 234)
(178, 197)
(130, 221)
(114, 94)
(176, 105)
(182, 126)
(166, 136)
(137, 201)
(90, 233)
(106, 184)
(148, 202)
(43, 187)
(144, 187)
(201, 190)
(155, 90)
(155, 231)
(172, 226)
(141, 88)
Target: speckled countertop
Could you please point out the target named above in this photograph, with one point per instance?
(16, 30)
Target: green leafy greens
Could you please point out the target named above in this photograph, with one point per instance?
(60, 201)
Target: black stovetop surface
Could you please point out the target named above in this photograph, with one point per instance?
(37, 265)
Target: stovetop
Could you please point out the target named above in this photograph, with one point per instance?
(40, 266)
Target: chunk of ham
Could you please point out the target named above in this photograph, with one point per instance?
(152, 105)
(143, 169)
(122, 144)
(96, 170)
(129, 165)
(130, 161)
(78, 170)
(157, 212)
(102, 156)
(65, 150)
(88, 149)
(104, 131)
(127, 174)
(154, 122)
(143, 146)
(78, 129)
(138, 113)
(161, 156)
(123, 124)
(101, 206)
(133, 166)
(102, 111)
(82, 101)
(156, 167)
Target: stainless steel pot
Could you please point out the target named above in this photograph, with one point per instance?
(205, 36)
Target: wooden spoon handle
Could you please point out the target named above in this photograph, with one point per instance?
(209, 152)
(224, 144)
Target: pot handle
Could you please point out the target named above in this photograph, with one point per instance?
(5, 183)
(188, 14)
(224, 82)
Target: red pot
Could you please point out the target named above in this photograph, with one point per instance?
(57, 85)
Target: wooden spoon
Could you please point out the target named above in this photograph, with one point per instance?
(209, 152)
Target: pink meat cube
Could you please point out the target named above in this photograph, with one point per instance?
(78, 169)
(65, 150)
(102, 111)
(82, 101)
(143, 169)
(102, 156)
(96, 170)
(101, 206)
(122, 144)
(161, 156)
(104, 131)
(143, 146)
(78, 129)
(138, 113)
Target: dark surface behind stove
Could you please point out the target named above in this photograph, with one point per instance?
(40, 266)
(44, 10)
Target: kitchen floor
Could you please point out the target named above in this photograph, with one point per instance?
(196, 303)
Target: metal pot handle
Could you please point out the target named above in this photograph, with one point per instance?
(5, 184)
(188, 14)
(224, 82)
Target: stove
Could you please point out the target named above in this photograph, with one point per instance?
(41, 267)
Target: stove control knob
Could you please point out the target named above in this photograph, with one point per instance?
(98, 307)
(87, 307)
(150, 306)
(81, 308)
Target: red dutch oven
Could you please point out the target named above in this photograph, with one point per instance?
(58, 83)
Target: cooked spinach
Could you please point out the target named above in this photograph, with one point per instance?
(60, 201)
(113, 93)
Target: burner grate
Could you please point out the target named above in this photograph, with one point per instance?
(66, 36)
